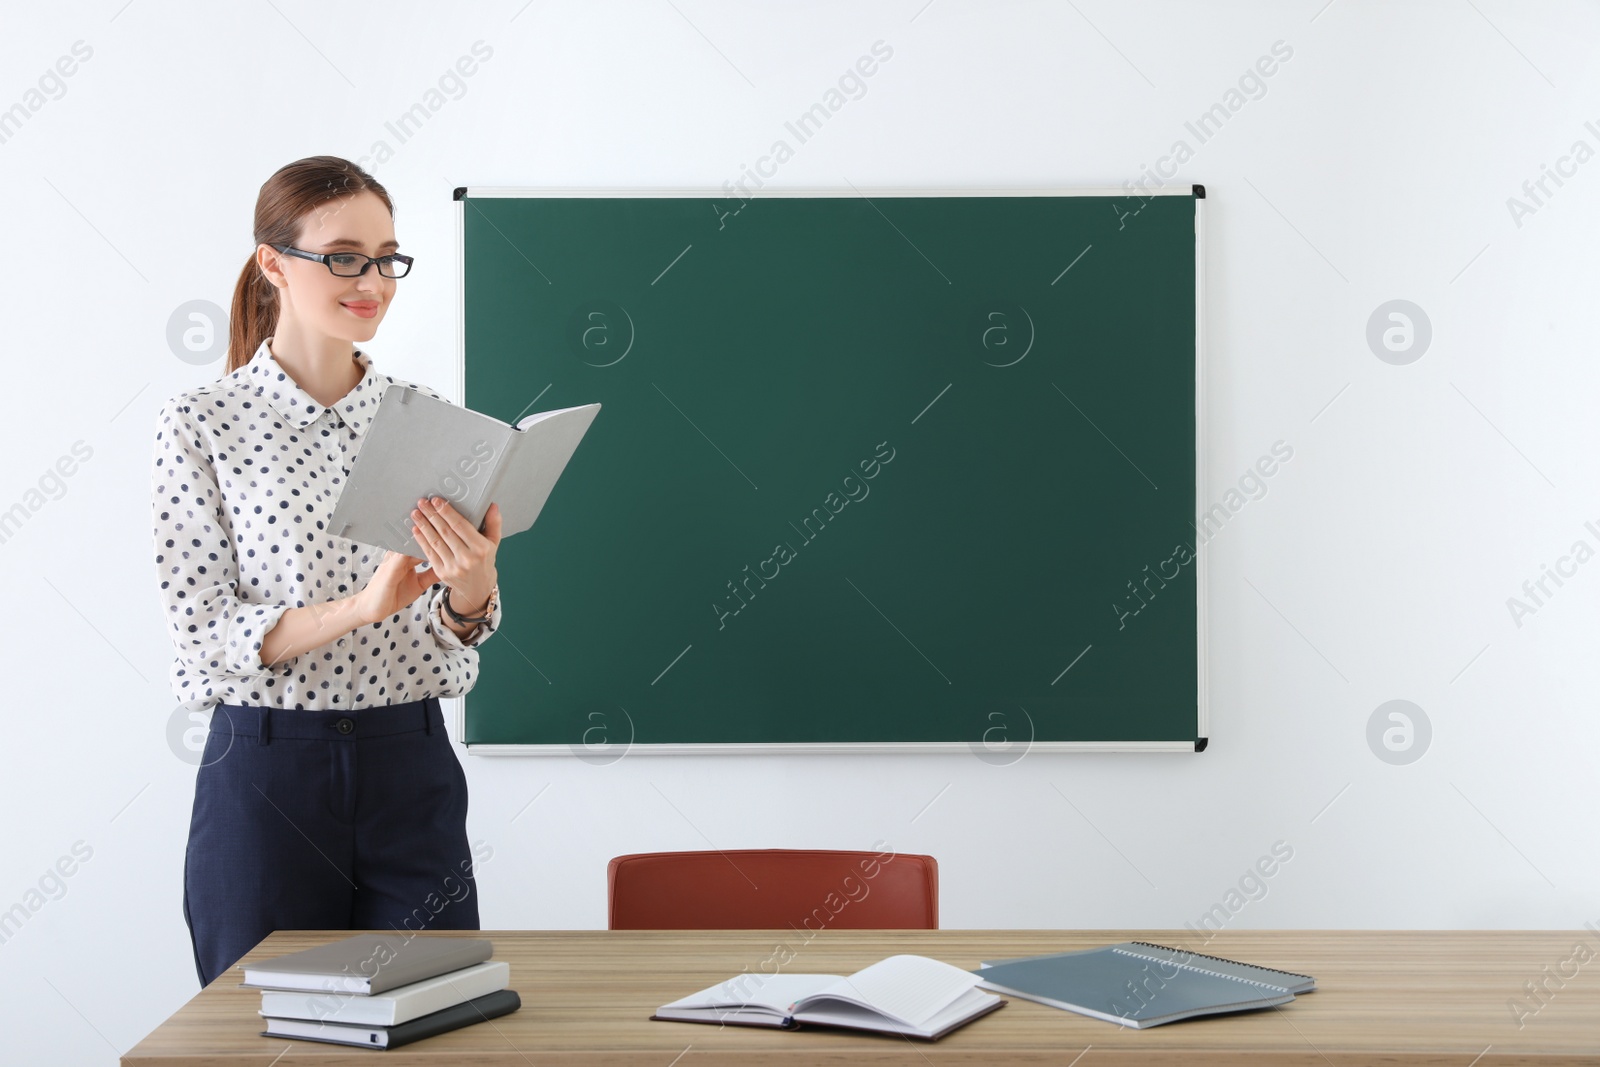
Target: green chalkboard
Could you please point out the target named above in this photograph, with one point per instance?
(898, 470)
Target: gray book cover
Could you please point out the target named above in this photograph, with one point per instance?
(1140, 985)
(418, 446)
(1290, 980)
(366, 963)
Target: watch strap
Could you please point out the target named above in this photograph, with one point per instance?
(462, 621)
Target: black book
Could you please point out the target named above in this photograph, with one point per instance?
(476, 1010)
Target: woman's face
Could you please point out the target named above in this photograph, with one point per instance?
(348, 308)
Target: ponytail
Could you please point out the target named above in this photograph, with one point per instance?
(253, 317)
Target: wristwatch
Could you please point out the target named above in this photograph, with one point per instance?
(488, 610)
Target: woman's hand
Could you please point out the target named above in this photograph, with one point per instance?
(393, 587)
(458, 555)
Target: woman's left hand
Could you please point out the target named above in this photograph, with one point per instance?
(458, 555)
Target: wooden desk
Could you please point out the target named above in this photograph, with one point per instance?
(1415, 997)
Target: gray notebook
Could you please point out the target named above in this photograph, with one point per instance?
(366, 963)
(1138, 984)
(421, 447)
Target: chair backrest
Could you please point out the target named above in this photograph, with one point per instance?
(773, 888)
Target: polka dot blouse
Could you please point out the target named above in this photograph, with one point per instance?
(247, 470)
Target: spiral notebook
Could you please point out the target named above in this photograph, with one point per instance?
(1137, 984)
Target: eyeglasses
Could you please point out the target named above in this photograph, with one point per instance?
(350, 265)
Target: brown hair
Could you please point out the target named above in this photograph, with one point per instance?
(281, 206)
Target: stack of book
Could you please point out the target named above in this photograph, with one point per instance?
(380, 990)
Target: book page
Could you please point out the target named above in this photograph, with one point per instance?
(540, 416)
(909, 989)
(774, 992)
(831, 1012)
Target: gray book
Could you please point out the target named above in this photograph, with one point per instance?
(1138, 984)
(366, 963)
(418, 446)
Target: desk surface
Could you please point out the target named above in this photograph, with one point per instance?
(1405, 997)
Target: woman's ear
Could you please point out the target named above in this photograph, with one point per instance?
(270, 262)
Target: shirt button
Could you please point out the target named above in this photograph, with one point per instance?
(345, 725)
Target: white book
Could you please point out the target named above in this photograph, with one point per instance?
(398, 1005)
(904, 994)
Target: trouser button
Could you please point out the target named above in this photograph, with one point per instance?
(345, 725)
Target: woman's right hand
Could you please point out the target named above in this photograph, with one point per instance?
(392, 587)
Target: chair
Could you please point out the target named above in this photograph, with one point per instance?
(772, 888)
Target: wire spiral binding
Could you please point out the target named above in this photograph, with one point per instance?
(1218, 959)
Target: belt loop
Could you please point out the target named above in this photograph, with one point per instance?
(266, 725)
(427, 713)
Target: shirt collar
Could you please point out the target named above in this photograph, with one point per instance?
(278, 388)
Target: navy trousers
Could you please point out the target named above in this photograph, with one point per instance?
(325, 820)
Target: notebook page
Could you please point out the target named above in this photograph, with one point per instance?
(775, 992)
(958, 1009)
(909, 989)
(539, 417)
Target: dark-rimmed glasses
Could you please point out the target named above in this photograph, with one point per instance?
(350, 265)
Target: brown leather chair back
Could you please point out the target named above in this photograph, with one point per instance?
(773, 888)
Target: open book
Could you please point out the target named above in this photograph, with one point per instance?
(418, 446)
(910, 995)
(1138, 984)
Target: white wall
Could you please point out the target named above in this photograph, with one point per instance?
(1376, 165)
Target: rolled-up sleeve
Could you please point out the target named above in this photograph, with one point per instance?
(447, 637)
(215, 630)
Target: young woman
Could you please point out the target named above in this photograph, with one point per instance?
(328, 796)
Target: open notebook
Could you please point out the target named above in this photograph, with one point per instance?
(1138, 984)
(910, 995)
(418, 446)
